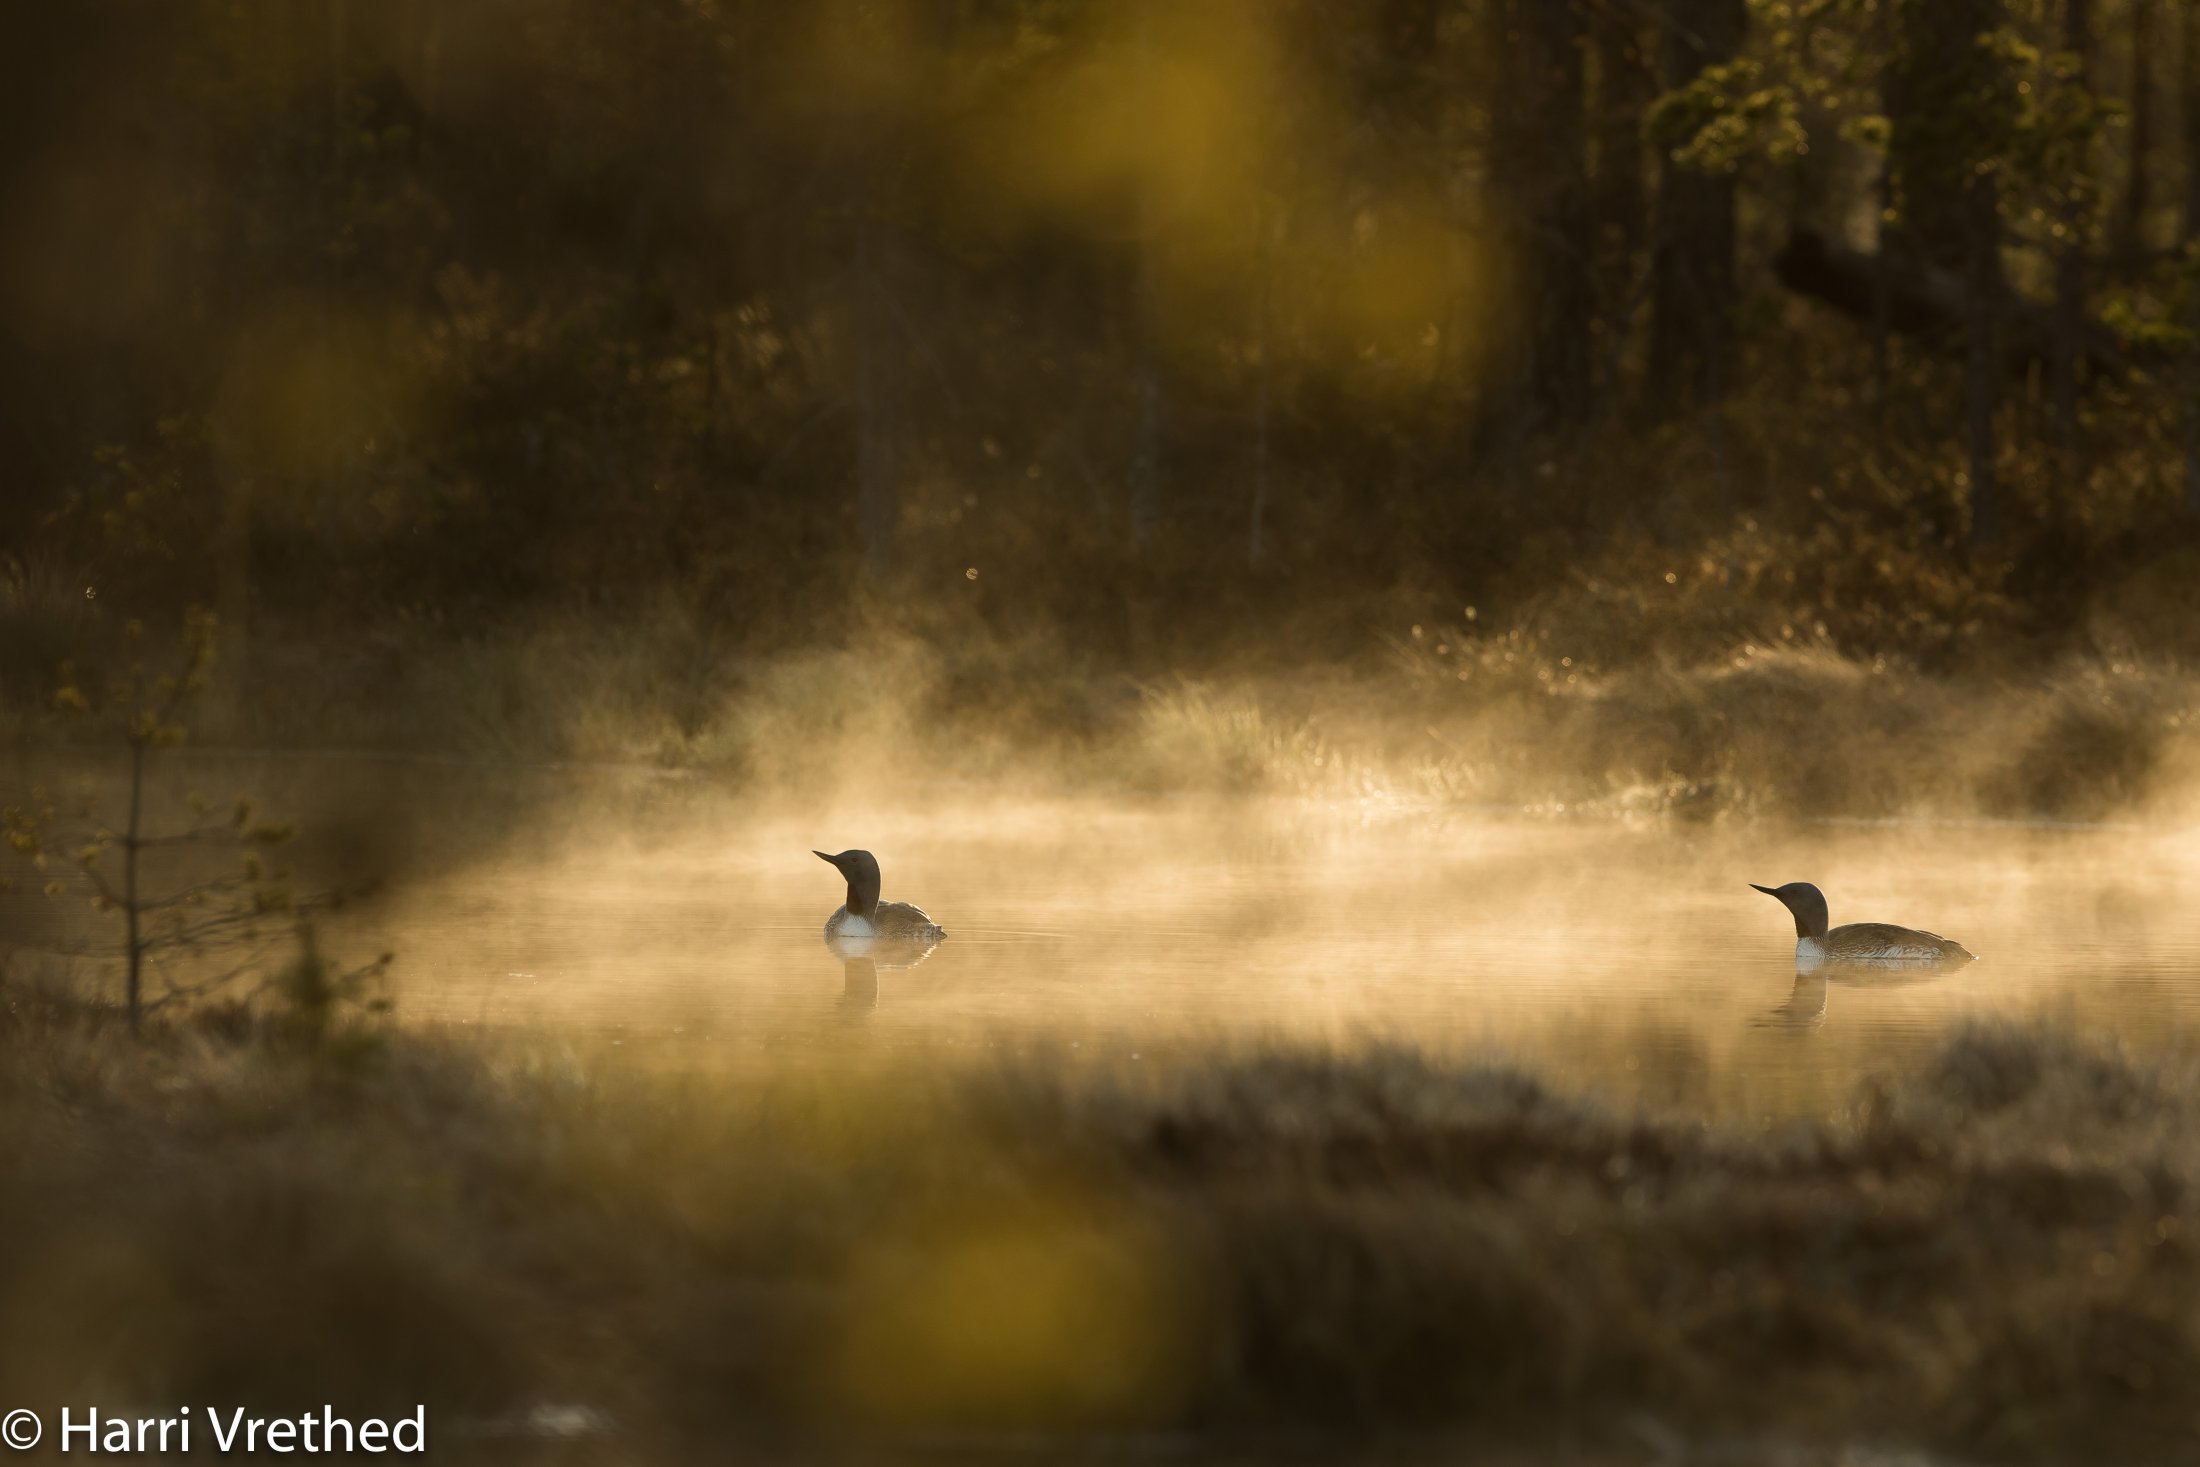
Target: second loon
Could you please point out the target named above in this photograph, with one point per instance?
(1880, 944)
(866, 917)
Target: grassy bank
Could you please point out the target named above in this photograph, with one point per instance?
(1754, 673)
(1784, 727)
(1992, 1255)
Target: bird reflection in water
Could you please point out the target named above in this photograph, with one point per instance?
(862, 959)
(858, 985)
(1805, 1008)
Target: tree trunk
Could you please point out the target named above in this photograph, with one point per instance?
(1882, 307)
(2188, 101)
(2077, 39)
(2192, 442)
(1145, 465)
(878, 499)
(1942, 96)
(2188, 225)
(1692, 244)
(1540, 187)
(1625, 89)
(1256, 547)
(1983, 370)
(2138, 197)
(1941, 73)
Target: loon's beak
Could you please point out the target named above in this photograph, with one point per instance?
(1768, 891)
(828, 860)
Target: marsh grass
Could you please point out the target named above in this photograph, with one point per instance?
(1797, 730)
(1781, 728)
(1992, 1254)
(1844, 672)
(1195, 736)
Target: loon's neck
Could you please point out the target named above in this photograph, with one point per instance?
(863, 900)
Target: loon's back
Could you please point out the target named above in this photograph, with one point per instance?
(1883, 942)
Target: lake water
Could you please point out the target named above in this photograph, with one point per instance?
(1632, 960)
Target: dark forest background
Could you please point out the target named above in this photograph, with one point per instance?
(1182, 331)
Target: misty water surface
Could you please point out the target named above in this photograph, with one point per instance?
(1629, 959)
(671, 919)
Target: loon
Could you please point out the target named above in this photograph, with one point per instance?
(865, 916)
(1874, 943)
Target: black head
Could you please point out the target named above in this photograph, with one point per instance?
(860, 868)
(1806, 903)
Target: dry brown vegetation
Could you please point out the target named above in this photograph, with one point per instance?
(1719, 693)
(1992, 1255)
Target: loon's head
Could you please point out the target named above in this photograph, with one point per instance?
(861, 870)
(1805, 903)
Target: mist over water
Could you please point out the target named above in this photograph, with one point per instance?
(668, 917)
(1628, 959)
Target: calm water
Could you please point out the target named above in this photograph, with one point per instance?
(667, 918)
(1629, 959)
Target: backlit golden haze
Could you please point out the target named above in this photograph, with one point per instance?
(1328, 546)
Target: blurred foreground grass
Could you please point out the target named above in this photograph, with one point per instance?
(1992, 1255)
